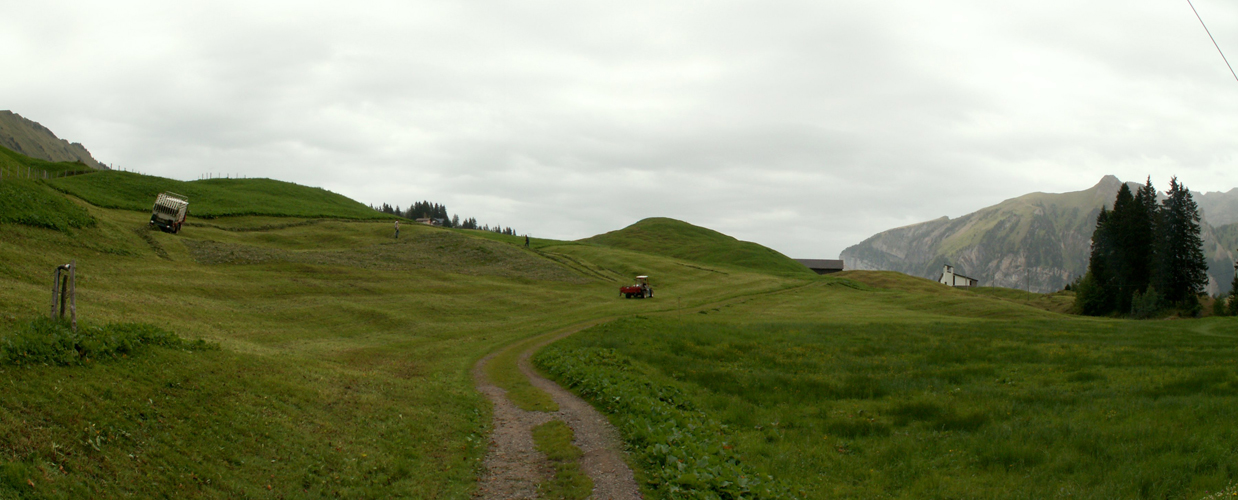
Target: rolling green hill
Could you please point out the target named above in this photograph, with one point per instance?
(215, 197)
(678, 239)
(343, 367)
(338, 364)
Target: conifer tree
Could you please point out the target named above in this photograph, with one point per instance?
(1142, 237)
(1182, 271)
(1121, 227)
(1233, 292)
(1094, 293)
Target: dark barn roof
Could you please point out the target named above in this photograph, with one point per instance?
(822, 266)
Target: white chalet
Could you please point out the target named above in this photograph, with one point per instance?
(949, 278)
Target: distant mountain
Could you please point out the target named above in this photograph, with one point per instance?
(1219, 208)
(1039, 239)
(36, 141)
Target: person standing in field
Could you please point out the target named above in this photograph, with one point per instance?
(397, 230)
(526, 241)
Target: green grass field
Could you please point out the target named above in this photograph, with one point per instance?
(338, 361)
(343, 360)
(839, 391)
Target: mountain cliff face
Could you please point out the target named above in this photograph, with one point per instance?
(36, 141)
(1041, 240)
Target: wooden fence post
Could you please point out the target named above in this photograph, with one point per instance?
(55, 292)
(73, 294)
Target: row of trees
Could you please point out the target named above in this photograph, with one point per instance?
(438, 213)
(1145, 255)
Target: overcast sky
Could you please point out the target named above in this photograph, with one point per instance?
(803, 126)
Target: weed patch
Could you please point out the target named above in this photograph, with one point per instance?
(683, 452)
(48, 342)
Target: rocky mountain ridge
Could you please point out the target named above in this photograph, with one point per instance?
(36, 141)
(1039, 241)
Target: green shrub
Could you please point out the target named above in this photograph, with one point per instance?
(1218, 307)
(1145, 305)
(48, 342)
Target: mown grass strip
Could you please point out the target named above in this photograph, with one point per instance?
(503, 370)
(554, 439)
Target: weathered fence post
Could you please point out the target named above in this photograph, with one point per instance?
(65, 286)
(73, 294)
(55, 293)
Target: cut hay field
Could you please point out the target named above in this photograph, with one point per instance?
(343, 358)
(337, 361)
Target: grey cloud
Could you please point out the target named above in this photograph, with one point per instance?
(805, 126)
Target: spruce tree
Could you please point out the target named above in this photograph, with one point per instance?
(1182, 271)
(1142, 238)
(1121, 227)
(1233, 292)
(1094, 295)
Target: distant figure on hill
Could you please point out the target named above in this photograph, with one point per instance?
(397, 230)
(526, 241)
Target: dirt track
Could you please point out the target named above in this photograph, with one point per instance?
(514, 467)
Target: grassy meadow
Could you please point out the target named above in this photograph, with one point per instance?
(342, 358)
(867, 386)
(335, 362)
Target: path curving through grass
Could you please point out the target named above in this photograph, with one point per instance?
(513, 466)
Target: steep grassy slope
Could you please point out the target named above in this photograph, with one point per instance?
(32, 139)
(32, 203)
(344, 360)
(13, 163)
(214, 197)
(685, 241)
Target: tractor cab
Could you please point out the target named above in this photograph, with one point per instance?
(641, 290)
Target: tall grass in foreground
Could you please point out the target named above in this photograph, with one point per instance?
(975, 409)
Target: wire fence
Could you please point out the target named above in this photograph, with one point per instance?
(9, 173)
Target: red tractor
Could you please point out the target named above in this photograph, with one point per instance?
(640, 290)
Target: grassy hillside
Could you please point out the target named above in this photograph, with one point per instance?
(32, 203)
(343, 367)
(670, 237)
(344, 356)
(14, 163)
(214, 197)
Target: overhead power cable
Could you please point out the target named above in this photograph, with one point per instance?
(1214, 40)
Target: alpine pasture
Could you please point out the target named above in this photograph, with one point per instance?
(336, 361)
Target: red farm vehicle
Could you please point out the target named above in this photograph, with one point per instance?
(638, 291)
